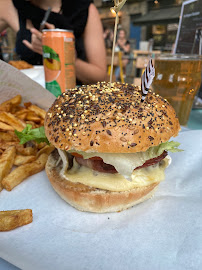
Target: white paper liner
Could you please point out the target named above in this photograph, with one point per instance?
(164, 232)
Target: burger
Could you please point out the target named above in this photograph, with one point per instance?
(111, 148)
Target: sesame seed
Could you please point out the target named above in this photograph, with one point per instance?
(75, 135)
(129, 143)
(70, 133)
(64, 114)
(67, 129)
(75, 125)
(71, 116)
(163, 106)
(83, 133)
(147, 128)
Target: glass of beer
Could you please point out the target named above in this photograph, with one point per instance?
(178, 78)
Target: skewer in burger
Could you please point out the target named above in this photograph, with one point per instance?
(111, 147)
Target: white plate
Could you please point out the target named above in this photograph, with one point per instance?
(36, 74)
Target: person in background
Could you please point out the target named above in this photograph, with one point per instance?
(123, 45)
(108, 38)
(81, 16)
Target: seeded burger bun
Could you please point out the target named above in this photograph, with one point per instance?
(95, 122)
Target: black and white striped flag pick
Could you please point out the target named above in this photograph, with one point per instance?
(146, 79)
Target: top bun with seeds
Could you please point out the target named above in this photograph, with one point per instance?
(104, 119)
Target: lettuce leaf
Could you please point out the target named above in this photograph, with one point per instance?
(167, 146)
(28, 134)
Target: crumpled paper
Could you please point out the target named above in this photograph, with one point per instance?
(164, 232)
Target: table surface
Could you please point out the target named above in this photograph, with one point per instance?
(195, 119)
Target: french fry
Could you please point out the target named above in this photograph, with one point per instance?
(22, 111)
(4, 144)
(40, 112)
(26, 151)
(42, 122)
(12, 120)
(41, 145)
(24, 171)
(27, 104)
(32, 116)
(46, 149)
(13, 101)
(4, 126)
(20, 160)
(5, 136)
(5, 107)
(6, 162)
(12, 219)
(22, 116)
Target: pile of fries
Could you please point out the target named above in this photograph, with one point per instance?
(17, 161)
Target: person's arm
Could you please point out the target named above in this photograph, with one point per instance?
(8, 16)
(127, 47)
(95, 68)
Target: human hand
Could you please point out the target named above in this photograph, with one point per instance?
(36, 39)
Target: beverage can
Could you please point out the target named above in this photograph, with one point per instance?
(59, 60)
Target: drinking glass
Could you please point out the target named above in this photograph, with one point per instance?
(178, 78)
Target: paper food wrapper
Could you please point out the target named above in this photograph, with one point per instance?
(164, 232)
(13, 82)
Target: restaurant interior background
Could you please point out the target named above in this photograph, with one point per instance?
(151, 28)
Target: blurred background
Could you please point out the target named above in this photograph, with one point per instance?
(146, 28)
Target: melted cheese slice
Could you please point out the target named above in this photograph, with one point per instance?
(116, 182)
(123, 163)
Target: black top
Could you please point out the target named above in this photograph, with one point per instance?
(73, 16)
(122, 49)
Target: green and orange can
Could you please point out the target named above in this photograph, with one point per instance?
(59, 60)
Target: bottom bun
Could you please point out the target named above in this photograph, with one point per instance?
(85, 198)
